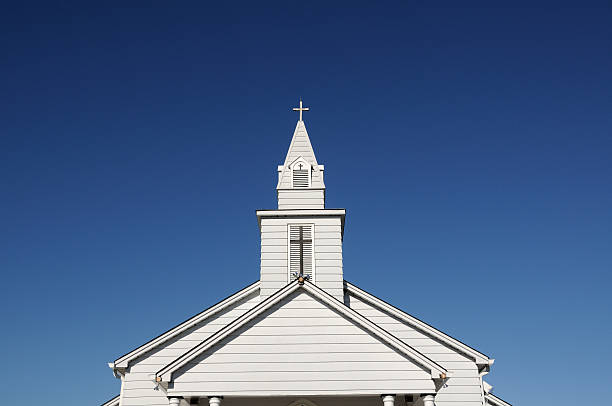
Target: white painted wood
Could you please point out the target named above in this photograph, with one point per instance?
(112, 402)
(301, 199)
(388, 400)
(480, 358)
(261, 357)
(214, 401)
(327, 253)
(139, 386)
(492, 400)
(300, 147)
(428, 400)
(216, 310)
(464, 384)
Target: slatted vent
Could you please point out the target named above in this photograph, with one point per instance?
(301, 178)
(300, 250)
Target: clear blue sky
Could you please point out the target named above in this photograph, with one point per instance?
(471, 146)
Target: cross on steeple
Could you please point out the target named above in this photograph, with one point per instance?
(301, 109)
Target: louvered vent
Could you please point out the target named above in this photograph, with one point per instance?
(300, 251)
(300, 178)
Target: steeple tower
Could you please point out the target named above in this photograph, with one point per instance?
(301, 238)
(300, 178)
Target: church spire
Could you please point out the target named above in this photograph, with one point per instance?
(300, 178)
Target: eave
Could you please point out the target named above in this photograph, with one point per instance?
(123, 361)
(293, 213)
(478, 357)
(112, 402)
(495, 401)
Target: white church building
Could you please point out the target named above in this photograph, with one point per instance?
(302, 335)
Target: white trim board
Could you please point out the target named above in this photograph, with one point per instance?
(495, 401)
(112, 402)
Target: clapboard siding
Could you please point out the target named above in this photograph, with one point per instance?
(138, 386)
(301, 199)
(327, 254)
(262, 358)
(464, 387)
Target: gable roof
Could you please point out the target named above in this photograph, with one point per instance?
(436, 371)
(478, 357)
(112, 402)
(123, 361)
(300, 147)
(493, 400)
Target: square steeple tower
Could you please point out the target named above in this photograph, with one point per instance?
(301, 237)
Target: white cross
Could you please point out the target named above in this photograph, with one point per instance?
(301, 109)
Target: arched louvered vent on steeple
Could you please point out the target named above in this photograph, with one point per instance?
(301, 251)
(301, 173)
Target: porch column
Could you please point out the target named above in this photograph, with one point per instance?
(215, 400)
(389, 400)
(428, 400)
(174, 401)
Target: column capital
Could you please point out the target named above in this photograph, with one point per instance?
(428, 399)
(388, 400)
(174, 400)
(215, 400)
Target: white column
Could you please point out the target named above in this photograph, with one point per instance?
(388, 400)
(174, 401)
(428, 400)
(215, 400)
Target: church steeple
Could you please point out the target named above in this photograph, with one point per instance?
(301, 238)
(300, 178)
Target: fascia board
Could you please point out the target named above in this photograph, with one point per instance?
(478, 357)
(112, 402)
(494, 400)
(123, 361)
(301, 212)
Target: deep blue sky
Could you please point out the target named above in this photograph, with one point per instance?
(471, 146)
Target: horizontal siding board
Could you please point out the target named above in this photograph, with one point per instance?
(300, 340)
(302, 194)
(300, 206)
(274, 248)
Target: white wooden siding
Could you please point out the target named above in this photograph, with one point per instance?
(301, 199)
(298, 347)
(327, 254)
(138, 385)
(463, 388)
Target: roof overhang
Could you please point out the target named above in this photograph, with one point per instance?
(481, 359)
(305, 213)
(123, 361)
(495, 401)
(112, 402)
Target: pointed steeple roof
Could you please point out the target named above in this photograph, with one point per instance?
(300, 147)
